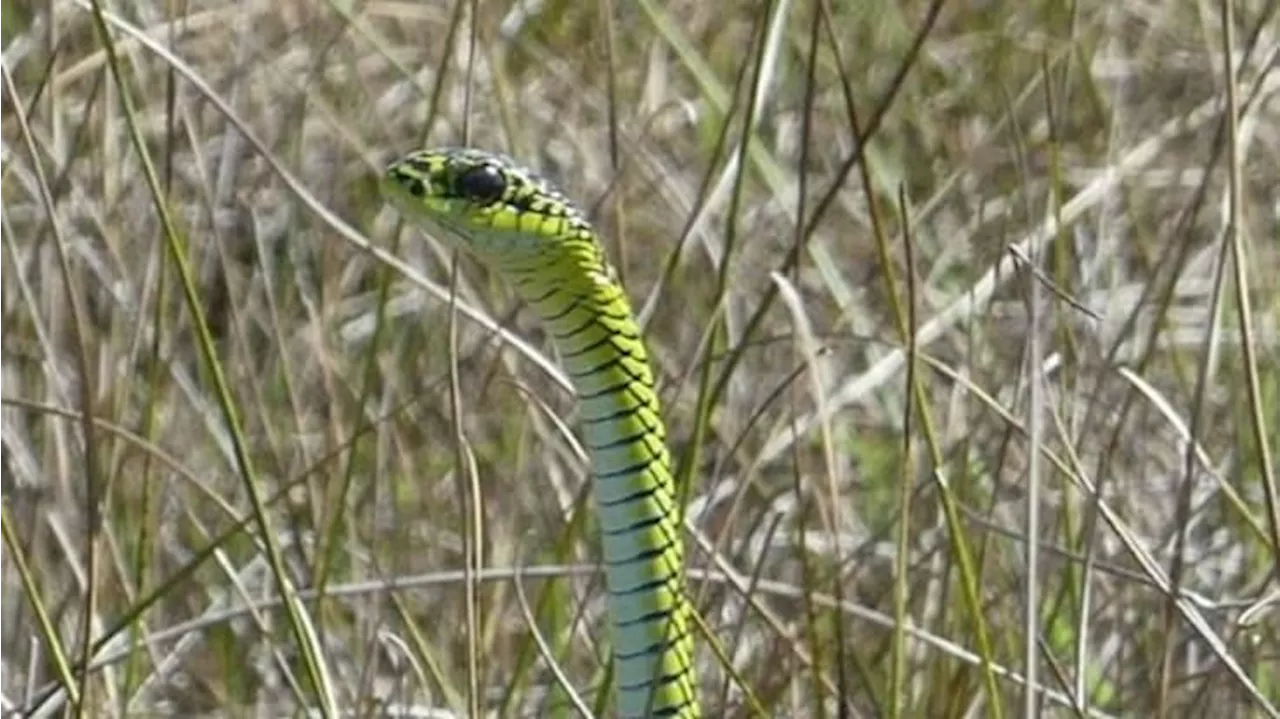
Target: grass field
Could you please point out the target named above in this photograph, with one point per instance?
(922, 282)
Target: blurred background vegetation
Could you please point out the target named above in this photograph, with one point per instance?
(208, 343)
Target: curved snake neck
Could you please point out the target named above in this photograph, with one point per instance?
(517, 223)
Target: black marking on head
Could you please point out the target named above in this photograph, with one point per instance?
(419, 164)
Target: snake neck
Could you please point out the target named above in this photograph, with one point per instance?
(600, 346)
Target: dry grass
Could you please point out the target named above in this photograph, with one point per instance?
(1048, 190)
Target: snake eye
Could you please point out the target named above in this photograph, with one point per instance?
(482, 184)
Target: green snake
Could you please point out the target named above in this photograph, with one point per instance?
(517, 223)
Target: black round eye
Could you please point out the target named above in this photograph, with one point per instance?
(483, 183)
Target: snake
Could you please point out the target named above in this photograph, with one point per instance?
(518, 224)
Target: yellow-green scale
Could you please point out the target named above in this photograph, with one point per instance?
(598, 339)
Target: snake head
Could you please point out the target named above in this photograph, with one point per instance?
(482, 202)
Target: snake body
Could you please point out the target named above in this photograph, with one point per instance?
(517, 223)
